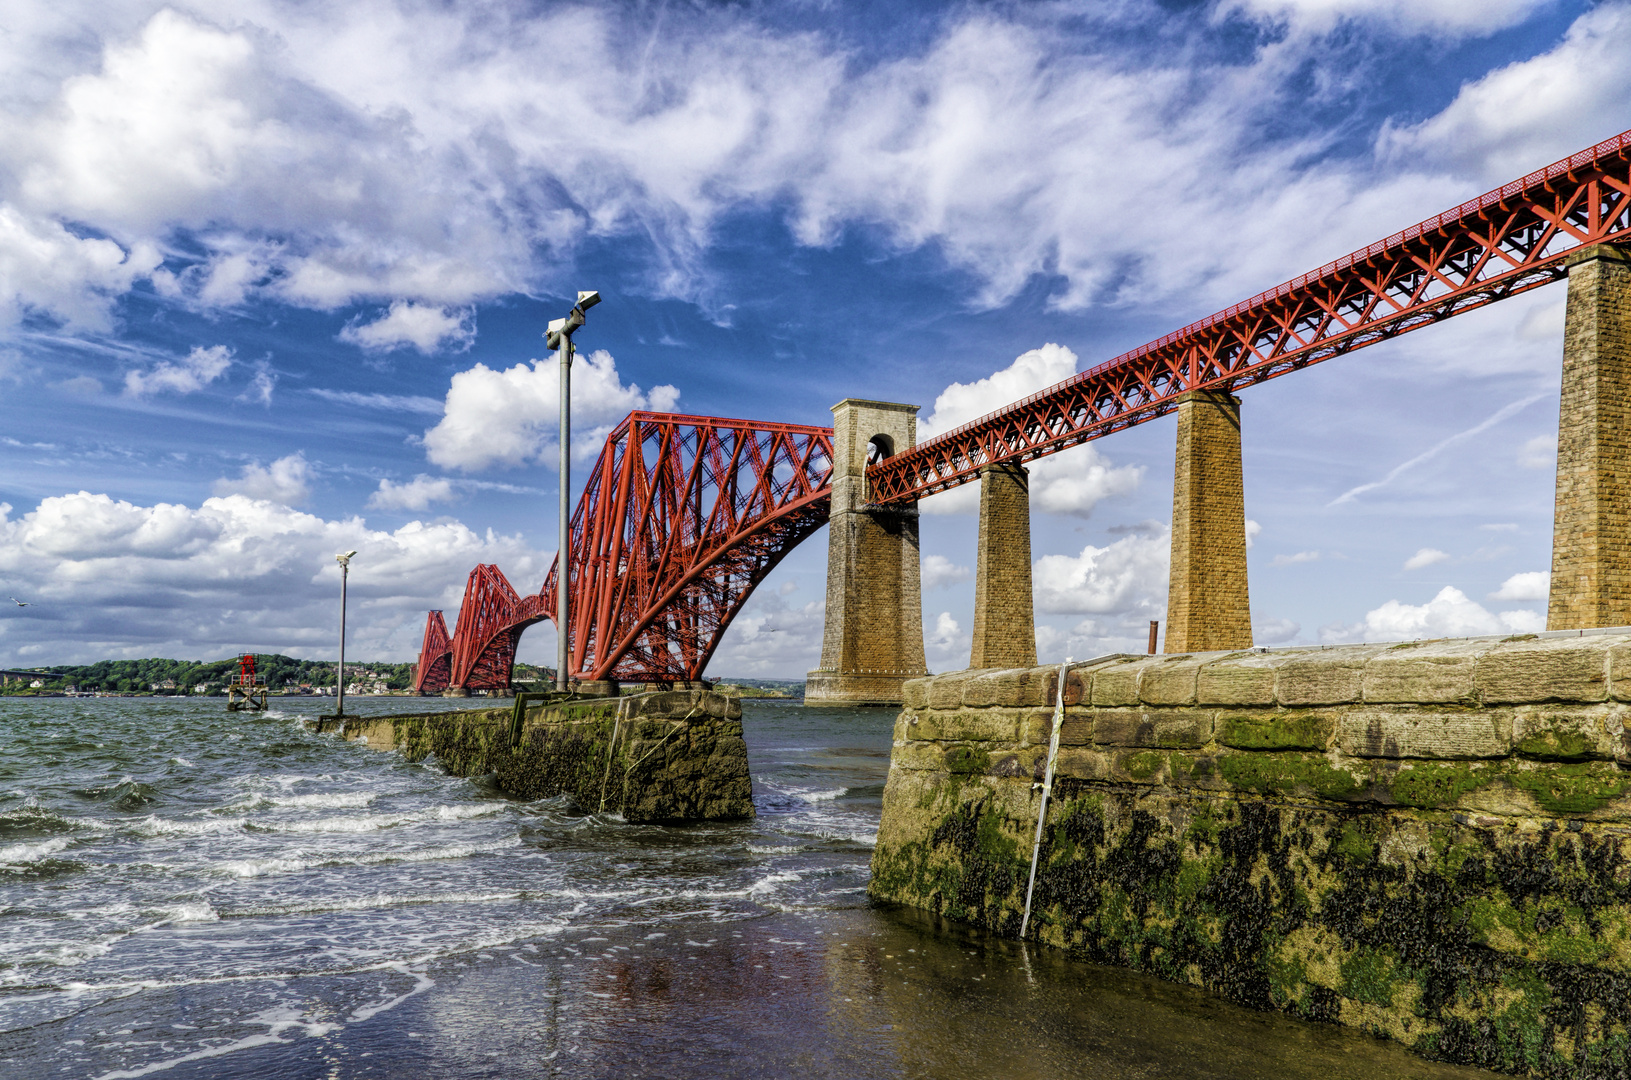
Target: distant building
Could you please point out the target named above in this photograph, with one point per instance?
(36, 684)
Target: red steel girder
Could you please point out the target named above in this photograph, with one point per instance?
(1500, 244)
(435, 665)
(681, 518)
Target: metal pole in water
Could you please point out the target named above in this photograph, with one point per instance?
(339, 672)
(1047, 789)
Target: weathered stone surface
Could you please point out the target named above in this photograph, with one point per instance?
(1207, 606)
(946, 691)
(1076, 687)
(1238, 679)
(1172, 680)
(1004, 630)
(981, 725)
(873, 641)
(1543, 669)
(1079, 763)
(1076, 729)
(915, 693)
(1427, 672)
(1164, 728)
(1115, 684)
(1379, 733)
(1013, 687)
(1557, 733)
(1275, 730)
(1323, 676)
(676, 756)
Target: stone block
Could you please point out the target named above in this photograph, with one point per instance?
(1165, 728)
(1010, 688)
(1076, 687)
(915, 693)
(1077, 729)
(978, 725)
(1081, 763)
(1619, 668)
(1544, 669)
(946, 691)
(1274, 730)
(1036, 725)
(1171, 680)
(1115, 685)
(1560, 734)
(1324, 677)
(1427, 672)
(918, 757)
(1238, 679)
(1381, 733)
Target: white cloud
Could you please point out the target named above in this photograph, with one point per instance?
(1126, 577)
(426, 327)
(1531, 112)
(416, 494)
(1534, 585)
(1072, 482)
(109, 578)
(1449, 614)
(511, 416)
(939, 571)
(194, 372)
(1539, 452)
(1296, 557)
(394, 402)
(287, 480)
(261, 386)
(325, 155)
(81, 384)
(1253, 531)
(1441, 17)
(1425, 557)
(1275, 631)
(772, 637)
(946, 645)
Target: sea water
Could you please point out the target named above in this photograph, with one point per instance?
(188, 892)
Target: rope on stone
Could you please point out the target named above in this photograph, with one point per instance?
(629, 769)
(1047, 790)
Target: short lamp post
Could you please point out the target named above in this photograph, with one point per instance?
(339, 679)
(559, 338)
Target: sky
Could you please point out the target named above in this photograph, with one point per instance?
(274, 278)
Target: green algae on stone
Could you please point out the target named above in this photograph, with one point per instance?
(1287, 774)
(1438, 784)
(1284, 731)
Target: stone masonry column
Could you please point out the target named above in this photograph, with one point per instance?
(1004, 626)
(1591, 527)
(874, 635)
(1207, 606)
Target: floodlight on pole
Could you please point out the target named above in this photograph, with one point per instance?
(559, 338)
(339, 672)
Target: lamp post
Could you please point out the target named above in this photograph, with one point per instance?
(559, 338)
(339, 679)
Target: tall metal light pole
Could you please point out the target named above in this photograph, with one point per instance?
(559, 338)
(339, 678)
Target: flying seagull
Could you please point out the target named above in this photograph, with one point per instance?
(18, 602)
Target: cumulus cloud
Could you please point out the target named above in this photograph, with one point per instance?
(1275, 631)
(192, 373)
(946, 645)
(773, 637)
(388, 152)
(416, 494)
(1449, 614)
(1534, 585)
(511, 416)
(1294, 558)
(939, 571)
(287, 480)
(1126, 577)
(112, 578)
(426, 327)
(1425, 557)
(1072, 482)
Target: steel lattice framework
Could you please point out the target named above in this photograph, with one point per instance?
(435, 665)
(681, 518)
(1506, 242)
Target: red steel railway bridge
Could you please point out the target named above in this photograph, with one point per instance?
(684, 515)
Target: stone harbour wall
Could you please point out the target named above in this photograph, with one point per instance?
(662, 757)
(1428, 841)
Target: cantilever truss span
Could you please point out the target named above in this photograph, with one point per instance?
(681, 518)
(684, 515)
(1500, 244)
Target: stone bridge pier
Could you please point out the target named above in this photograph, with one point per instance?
(874, 631)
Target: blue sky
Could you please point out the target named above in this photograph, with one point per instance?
(273, 277)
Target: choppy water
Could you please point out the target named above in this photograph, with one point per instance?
(188, 892)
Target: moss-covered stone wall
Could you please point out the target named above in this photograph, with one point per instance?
(1430, 841)
(663, 757)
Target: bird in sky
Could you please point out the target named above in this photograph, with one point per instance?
(19, 603)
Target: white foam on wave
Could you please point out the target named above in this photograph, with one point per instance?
(357, 823)
(24, 854)
(198, 911)
(821, 796)
(153, 825)
(323, 800)
(377, 900)
(247, 868)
